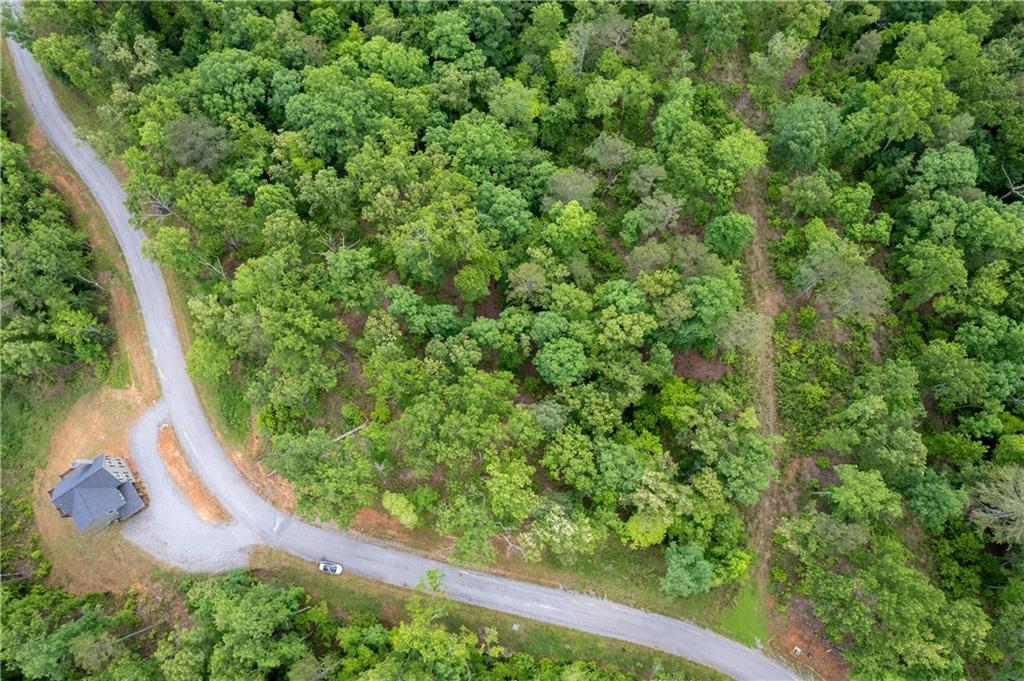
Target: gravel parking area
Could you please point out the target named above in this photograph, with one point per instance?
(169, 527)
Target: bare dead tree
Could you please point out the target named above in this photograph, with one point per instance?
(1015, 189)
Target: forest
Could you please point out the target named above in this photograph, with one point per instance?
(239, 627)
(57, 343)
(495, 268)
(51, 305)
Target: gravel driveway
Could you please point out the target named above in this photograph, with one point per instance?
(169, 528)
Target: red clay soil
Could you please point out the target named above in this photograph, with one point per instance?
(490, 306)
(376, 524)
(203, 503)
(816, 655)
(372, 522)
(268, 485)
(691, 364)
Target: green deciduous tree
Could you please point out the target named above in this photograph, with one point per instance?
(687, 573)
(728, 235)
(768, 68)
(51, 299)
(196, 143)
(838, 270)
(863, 496)
(561, 362)
(276, 315)
(71, 57)
(566, 536)
(932, 269)
(951, 376)
(572, 185)
(999, 505)
(653, 43)
(951, 168)
(804, 131)
(571, 227)
(718, 25)
(655, 214)
(433, 228)
(478, 415)
(906, 103)
(931, 498)
(569, 457)
(513, 103)
(353, 278)
(172, 246)
(401, 508)
(879, 422)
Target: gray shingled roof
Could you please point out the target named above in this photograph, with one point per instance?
(132, 500)
(94, 498)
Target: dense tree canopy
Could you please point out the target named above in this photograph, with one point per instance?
(51, 301)
(238, 627)
(293, 160)
(494, 267)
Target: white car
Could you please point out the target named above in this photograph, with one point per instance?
(330, 567)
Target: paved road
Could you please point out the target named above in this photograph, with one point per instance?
(359, 556)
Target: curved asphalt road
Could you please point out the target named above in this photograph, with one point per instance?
(567, 609)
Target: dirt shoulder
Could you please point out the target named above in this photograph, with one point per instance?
(97, 423)
(204, 503)
(100, 420)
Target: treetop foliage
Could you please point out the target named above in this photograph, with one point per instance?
(456, 257)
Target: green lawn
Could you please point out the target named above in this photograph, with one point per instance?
(747, 619)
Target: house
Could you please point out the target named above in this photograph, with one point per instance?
(97, 493)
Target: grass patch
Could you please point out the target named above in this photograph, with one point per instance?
(16, 113)
(29, 416)
(347, 594)
(118, 374)
(747, 619)
(226, 405)
(632, 577)
(78, 105)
